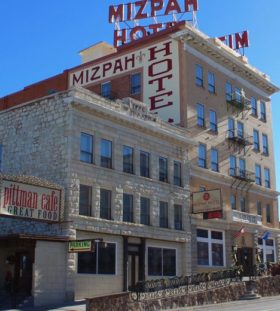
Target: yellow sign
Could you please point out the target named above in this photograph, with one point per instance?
(80, 246)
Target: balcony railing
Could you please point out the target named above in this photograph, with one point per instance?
(238, 101)
(239, 139)
(242, 174)
(246, 218)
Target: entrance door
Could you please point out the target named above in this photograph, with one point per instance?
(245, 258)
(23, 273)
(133, 270)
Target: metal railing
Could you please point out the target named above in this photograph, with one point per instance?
(246, 217)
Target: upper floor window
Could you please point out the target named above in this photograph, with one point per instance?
(254, 108)
(259, 208)
(231, 128)
(228, 91)
(213, 121)
(86, 148)
(258, 177)
(232, 165)
(198, 75)
(262, 111)
(267, 177)
(106, 153)
(211, 82)
(127, 207)
(233, 201)
(144, 211)
(135, 83)
(240, 130)
(163, 214)
(265, 144)
(144, 164)
(128, 159)
(214, 160)
(200, 115)
(177, 174)
(102, 260)
(163, 169)
(242, 168)
(268, 213)
(178, 217)
(106, 89)
(85, 200)
(105, 204)
(238, 95)
(202, 155)
(256, 145)
(161, 261)
(267, 247)
(243, 204)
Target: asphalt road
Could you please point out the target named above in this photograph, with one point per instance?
(262, 304)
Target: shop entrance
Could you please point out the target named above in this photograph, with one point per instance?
(133, 265)
(245, 258)
(23, 273)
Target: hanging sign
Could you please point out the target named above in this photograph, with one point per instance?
(206, 201)
(80, 246)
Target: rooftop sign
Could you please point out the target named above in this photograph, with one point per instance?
(146, 9)
(237, 40)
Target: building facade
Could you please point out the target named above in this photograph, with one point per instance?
(129, 178)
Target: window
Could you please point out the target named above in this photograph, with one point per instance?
(178, 220)
(198, 75)
(256, 145)
(267, 248)
(135, 80)
(268, 213)
(240, 130)
(232, 165)
(127, 207)
(231, 128)
(163, 214)
(101, 261)
(85, 200)
(86, 148)
(211, 82)
(254, 109)
(267, 177)
(242, 204)
(145, 211)
(161, 261)
(105, 204)
(213, 121)
(214, 160)
(144, 164)
(1, 161)
(106, 153)
(202, 155)
(259, 208)
(177, 174)
(128, 159)
(228, 91)
(263, 111)
(210, 248)
(265, 144)
(238, 95)
(106, 89)
(233, 201)
(200, 115)
(202, 188)
(163, 169)
(258, 177)
(242, 168)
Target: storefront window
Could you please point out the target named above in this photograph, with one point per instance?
(161, 261)
(267, 248)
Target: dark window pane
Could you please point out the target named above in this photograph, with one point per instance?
(202, 254)
(163, 169)
(216, 235)
(163, 214)
(128, 159)
(177, 174)
(217, 254)
(85, 200)
(87, 263)
(106, 90)
(211, 82)
(86, 148)
(106, 153)
(200, 115)
(154, 261)
(145, 211)
(144, 164)
(107, 259)
(128, 207)
(135, 83)
(202, 233)
(169, 262)
(105, 204)
(202, 155)
(198, 75)
(178, 223)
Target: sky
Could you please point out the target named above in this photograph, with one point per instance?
(41, 38)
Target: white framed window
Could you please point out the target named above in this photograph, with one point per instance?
(198, 75)
(161, 261)
(267, 248)
(210, 248)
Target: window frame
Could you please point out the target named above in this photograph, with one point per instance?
(106, 161)
(262, 111)
(106, 93)
(265, 248)
(211, 82)
(198, 75)
(268, 214)
(88, 206)
(163, 169)
(267, 178)
(214, 164)
(202, 161)
(232, 168)
(242, 203)
(178, 221)
(231, 128)
(258, 174)
(145, 168)
(128, 163)
(145, 218)
(88, 151)
(254, 107)
(106, 211)
(177, 173)
(135, 83)
(128, 213)
(240, 130)
(259, 208)
(265, 150)
(213, 121)
(163, 259)
(233, 201)
(228, 86)
(163, 214)
(200, 115)
(256, 140)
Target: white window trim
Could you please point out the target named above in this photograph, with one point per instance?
(209, 241)
(265, 247)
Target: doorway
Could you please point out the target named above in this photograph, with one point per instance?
(23, 273)
(133, 265)
(245, 258)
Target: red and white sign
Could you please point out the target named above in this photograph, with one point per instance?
(159, 65)
(206, 201)
(146, 9)
(237, 40)
(30, 201)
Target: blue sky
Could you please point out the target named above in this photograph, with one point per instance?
(40, 38)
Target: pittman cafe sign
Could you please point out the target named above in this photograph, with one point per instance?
(30, 201)
(207, 202)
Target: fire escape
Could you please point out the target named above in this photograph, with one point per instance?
(238, 103)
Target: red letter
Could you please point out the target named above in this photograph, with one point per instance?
(116, 14)
(128, 60)
(155, 27)
(156, 5)
(160, 82)
(135, 36)
(191, 2)
(166, 49)
(140, 14)
(79, 79)
(151, 71)
(154, 100)
(119, 37)
(241, 42)
(172, 6)
(106, 67)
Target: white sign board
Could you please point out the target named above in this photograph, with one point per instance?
(206, 201)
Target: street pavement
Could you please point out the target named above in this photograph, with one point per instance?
(262, 304)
